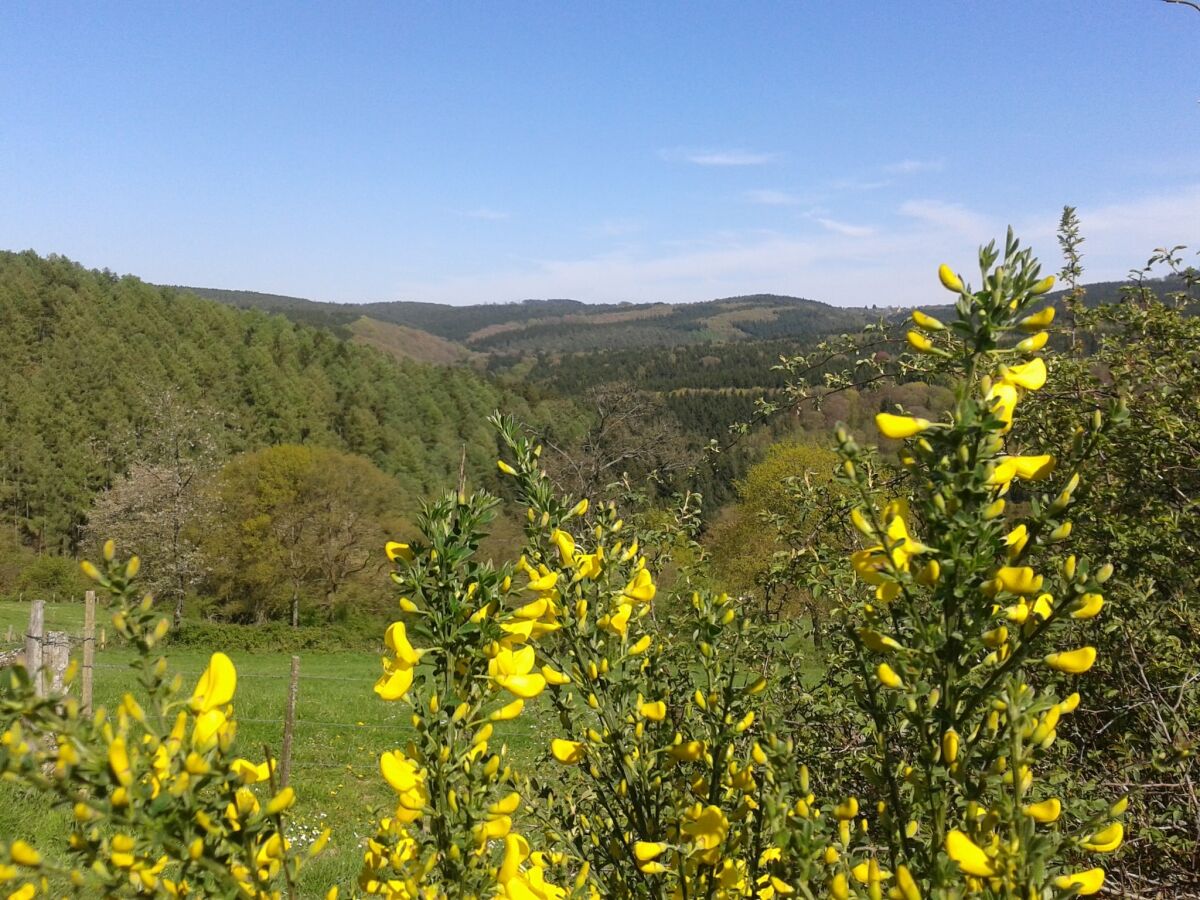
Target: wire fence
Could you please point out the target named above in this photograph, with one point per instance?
(42, 633)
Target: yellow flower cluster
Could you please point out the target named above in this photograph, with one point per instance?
(671, 780)
(115, 772)
(956, 631)
(455, 796)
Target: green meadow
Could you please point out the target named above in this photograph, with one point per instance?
(341, 730)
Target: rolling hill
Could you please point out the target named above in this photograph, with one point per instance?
(436, 332)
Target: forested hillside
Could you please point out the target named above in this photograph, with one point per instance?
(89, 360)
(568, 325)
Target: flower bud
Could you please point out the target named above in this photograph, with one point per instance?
(1042, 286)
(929, 323)
(949, 280)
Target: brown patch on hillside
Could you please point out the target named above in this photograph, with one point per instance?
(658, 311)
(403, 342)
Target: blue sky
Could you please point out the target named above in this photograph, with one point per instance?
(482, 152)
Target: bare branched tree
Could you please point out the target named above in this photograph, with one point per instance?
(630, 433)
(154, 509)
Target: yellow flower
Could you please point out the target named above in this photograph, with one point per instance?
(919, 342)
(395, 681)
(906, 884)
(1072, 662)
(1038, 320)
(901, 545)
(771, 854)
(879, 643)
(950, 744)
(397, 675)
(655, 712)
(641, 588)
(1088, 606)
(589, 565)
(1032, 468)
(928, 322)
(505, 467)
(1016, 540)
(508, 711)
(1106, 840)
(1062, 532)
(642, 645)
(513, 671)
(900, 427)
(969, 856)
(281, 801)
(847, 810)
(1042, 286)
(216, 686)
(118, 762)
(1045, 812)
(644, 851)
(888, 677)
(1033, 344)
(949, 280)
(396, 550)
(506, 805)
(707, 829)
(553, 676)
(249, 772)
(24, 855)
(1002, 399)
(515, 883)
(568, 753)
(1030, 376)
(618, 622)
(860, 522)
(869, 872)
(688, 751)
(542, 582)
(1020, 580)
(565, 544)
(1027, 468)
(208, 728)
(1085, 883)
(869, 564)
(493, 828)
(407, 781)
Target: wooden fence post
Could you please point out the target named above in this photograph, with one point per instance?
(289, 724)
(56, 656)
(33, 646)
(89, 648)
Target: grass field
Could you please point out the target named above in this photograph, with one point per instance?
(341, 730)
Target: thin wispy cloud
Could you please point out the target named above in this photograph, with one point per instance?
(774, 198)
(914, 166)
(892, 263)
(860, 184)
(720, 158)
(1121, 235)
(614, 228)
(485, 214)
(948, 216)
(845, 229)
